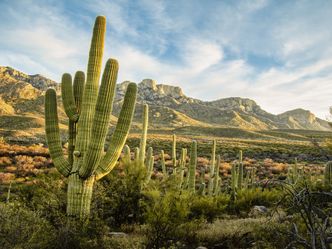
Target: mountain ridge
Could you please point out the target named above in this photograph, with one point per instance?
(22, 94)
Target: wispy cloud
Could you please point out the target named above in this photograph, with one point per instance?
(276, 52)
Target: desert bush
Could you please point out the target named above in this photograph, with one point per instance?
(207, 207)
(243, 233)
(23, 228)
(6, 178)
(167, 219)
(117, 197)
(5, 160)
(247, 198)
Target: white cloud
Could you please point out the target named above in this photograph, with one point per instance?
(212, 57)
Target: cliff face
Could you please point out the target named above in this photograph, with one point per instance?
(22, 94)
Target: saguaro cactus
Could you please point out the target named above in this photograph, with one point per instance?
(88, 108)
(142, 145)
(174, 153)
(192, 167)
(328, 174)
(240, 171)
(212, 177)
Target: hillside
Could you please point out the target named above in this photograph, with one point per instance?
(22, 95)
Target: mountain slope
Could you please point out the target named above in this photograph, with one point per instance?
(22, 95)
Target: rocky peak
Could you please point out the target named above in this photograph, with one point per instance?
(300, 115)
(148, 84)
(236, 103)
(38, 81)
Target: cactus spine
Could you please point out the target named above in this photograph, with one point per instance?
(192, 166)
(142, 146)
(89, 112)
(212, 168)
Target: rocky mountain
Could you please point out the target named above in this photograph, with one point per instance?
(21, 96)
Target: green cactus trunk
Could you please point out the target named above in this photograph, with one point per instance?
(212, 168)
(216, 184)
(142, 145)
(163, 164)
(240, 171)
(182, 165)
(174, 154)
(89, 112)
(328, 174)
(192, 167)
(126, 155)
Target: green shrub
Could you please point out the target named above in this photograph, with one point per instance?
(207, 207)
(167, 219)
(23, 228)
(247, 198)
(256, 233)
(117, 196)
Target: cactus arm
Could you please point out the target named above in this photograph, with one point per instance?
(145, 121)
(90, 90)
(78, 86)
(53, 133)
(101, 119)
(78, 92)
(68, 97)
(120, 134)
(192, 166)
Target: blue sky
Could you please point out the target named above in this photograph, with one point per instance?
(278, 53)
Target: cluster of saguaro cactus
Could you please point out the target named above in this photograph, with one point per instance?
(88, 107)
(237, 175)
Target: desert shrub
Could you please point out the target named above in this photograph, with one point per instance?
(117, 196)
(23, 228)
(247, 198)
(207, 207)
(47, 195)
(167, 219)
(5, 160)
(244, 233)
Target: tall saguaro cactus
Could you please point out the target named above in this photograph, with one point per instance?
(142, 145)
(88, 107)
(212, 168)
(192, 166)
